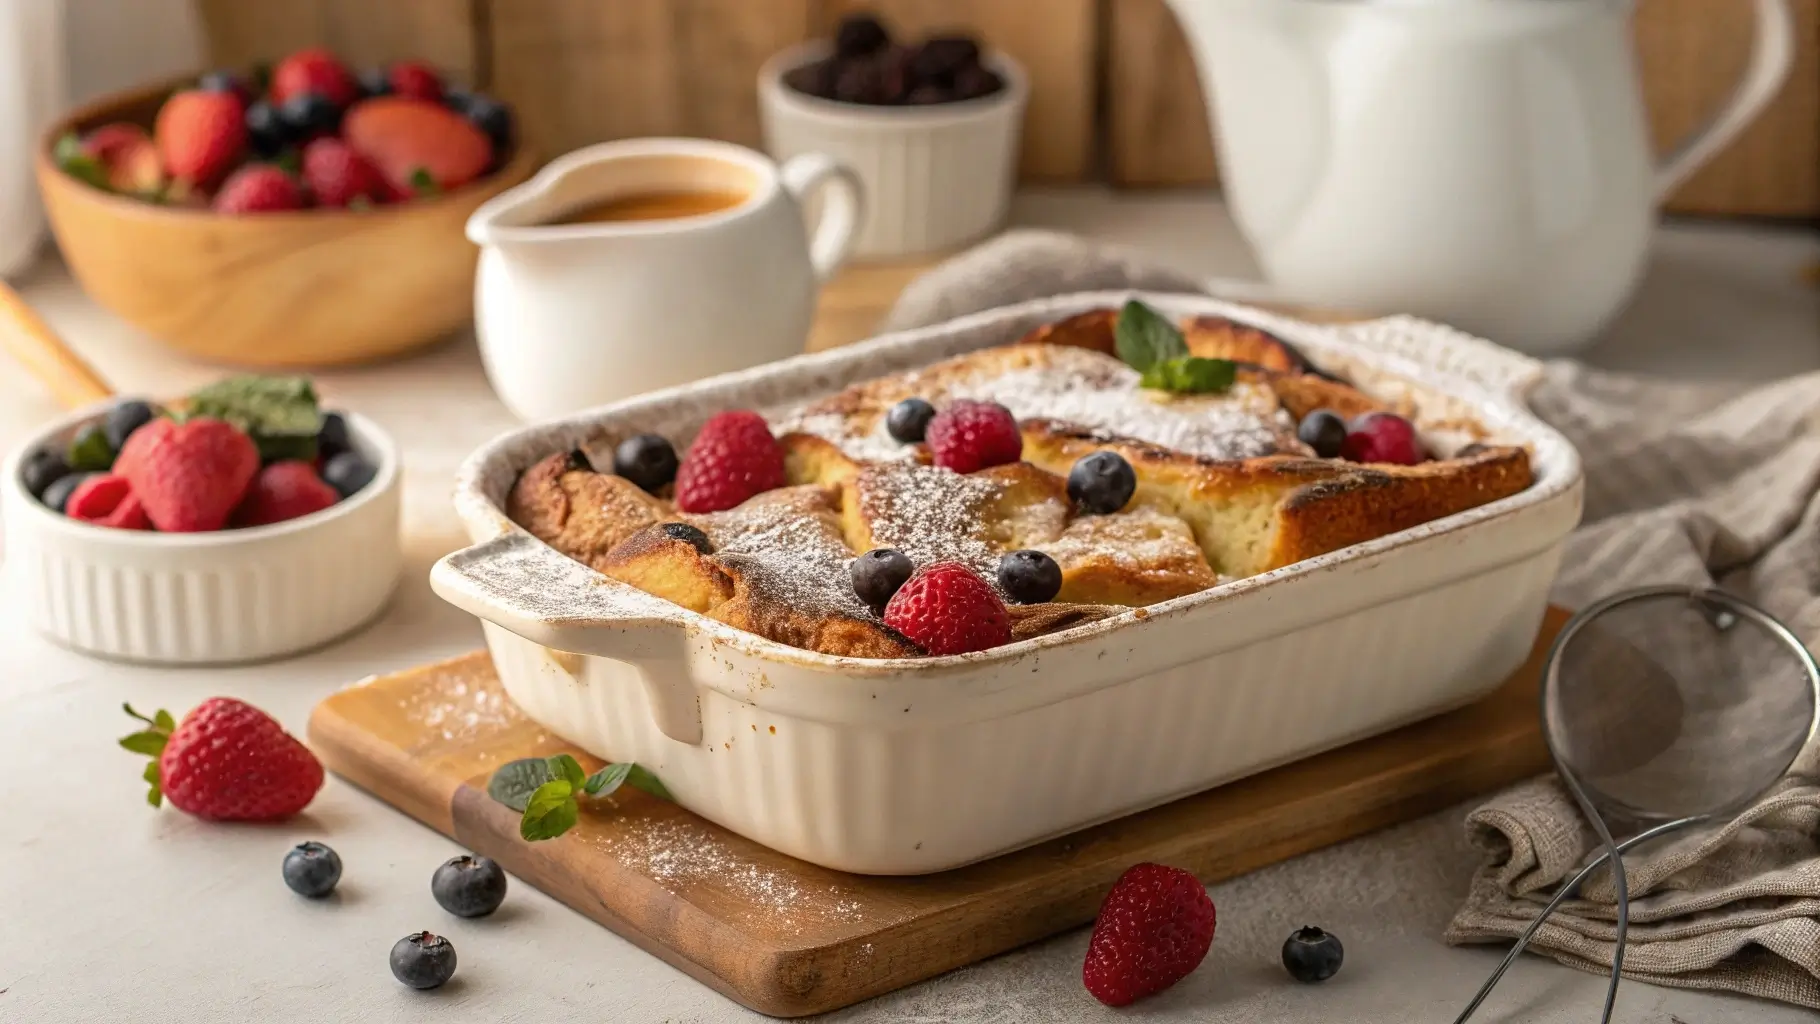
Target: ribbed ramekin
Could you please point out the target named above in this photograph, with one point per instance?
(204, 598)
(935, 176)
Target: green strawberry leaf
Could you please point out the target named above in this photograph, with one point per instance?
(423, 183)
(289, 161)
(78, 164)
(641, 779)
(89, 452)
(514, 782)
(1144, 337)
(564, 766)
(602, 783)
(151, 742)
(280, 413)
(550, 812)
(1191, 375)
(152, 776)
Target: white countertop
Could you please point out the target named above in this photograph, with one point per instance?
(110, 911)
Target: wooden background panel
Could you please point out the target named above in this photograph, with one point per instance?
(442, 32)
(1156, 120)
(583, 71)
(1055, 41)
(1691, 54)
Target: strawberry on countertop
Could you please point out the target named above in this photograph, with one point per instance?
(226, 761)
(1154, 928)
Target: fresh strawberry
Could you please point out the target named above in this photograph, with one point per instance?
(415, 79)
(201, 135)
(259, 188)
(127, 157)
(284, 490)
(189, 476)
(338, 176)
(226, 761)
(948, 609)
(733, 458)
(968, 436)
(419, 146)
(106, 499)
(1382, 437)
(314, 70)
(1155, 926)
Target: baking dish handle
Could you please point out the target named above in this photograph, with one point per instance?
(1448, 352)
(521, 585)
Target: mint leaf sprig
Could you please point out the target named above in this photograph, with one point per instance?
(1155, 348)
(281, 414)
(548, 790)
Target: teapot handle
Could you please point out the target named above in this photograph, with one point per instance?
(838, 226)
(1772, 54)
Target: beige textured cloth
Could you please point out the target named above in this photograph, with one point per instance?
(1686, 483)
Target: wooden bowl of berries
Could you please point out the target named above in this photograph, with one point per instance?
(311, 218)
(932, 128)
(239, 523)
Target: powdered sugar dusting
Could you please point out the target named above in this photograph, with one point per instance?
(460, 704)
(874, 445)
(790, 551)
(929, 513)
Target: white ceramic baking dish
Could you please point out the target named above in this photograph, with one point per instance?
(905, 767)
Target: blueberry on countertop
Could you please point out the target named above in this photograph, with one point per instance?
(879, 573)
(312, 869)
(648, 460)
(1312, 955)
(42, 468)
(348, 473)
(689, 535)
(124, 418)
(1101, 483)
(332, 437)
(89, 450)
(422, 960)
(909, 419)
(57, 495)
(1029, 577)
(469, 886)
(1324, 431)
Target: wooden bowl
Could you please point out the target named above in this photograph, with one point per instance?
(312, 288)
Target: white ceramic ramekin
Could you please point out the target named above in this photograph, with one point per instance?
(935, 176)
(912, 766)
(204, 598)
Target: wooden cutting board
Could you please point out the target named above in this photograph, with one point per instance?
(789, 938)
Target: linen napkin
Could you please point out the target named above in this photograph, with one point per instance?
(1685, 483)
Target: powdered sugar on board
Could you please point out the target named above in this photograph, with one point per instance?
(460, 704)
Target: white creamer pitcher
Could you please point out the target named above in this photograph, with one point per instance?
(1480, 162)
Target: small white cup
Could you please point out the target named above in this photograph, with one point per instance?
(571, 316)
(936, 176)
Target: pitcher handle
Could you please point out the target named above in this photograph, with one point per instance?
(1772, 55)
(838, 226)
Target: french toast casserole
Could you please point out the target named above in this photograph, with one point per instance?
(1111, 460)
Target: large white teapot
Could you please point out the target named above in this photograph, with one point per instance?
(1481, 162)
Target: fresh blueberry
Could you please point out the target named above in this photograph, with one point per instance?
(90, 450)
(308, 115)
(909, 419)
(457, 99)
(374, 82)
(125, 418)
(332, 437)
(266, 132)
(859, 35)
(422, 960)
(312, 869)
(1101, 483)
(57, 495)
(1312, 955)
(1323, 430)
(225, 81)
(347, 473)
(688, 535)
(1029, 577)
(879, 573)
(493, 118)
(938, 60)
(469, 886)
(42, 469)
(647, 460)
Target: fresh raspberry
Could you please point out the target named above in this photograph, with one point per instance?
(106, 499)
(948, 609)
(284, 490)
(200, 135)
(1382, 437)
(415, 79)
(1154, 928)
(968, 436)
(419, 146)
(259, 188)
(338, 176)
(226, 761)
(189, 476)
(316, 71)
(733, 458)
